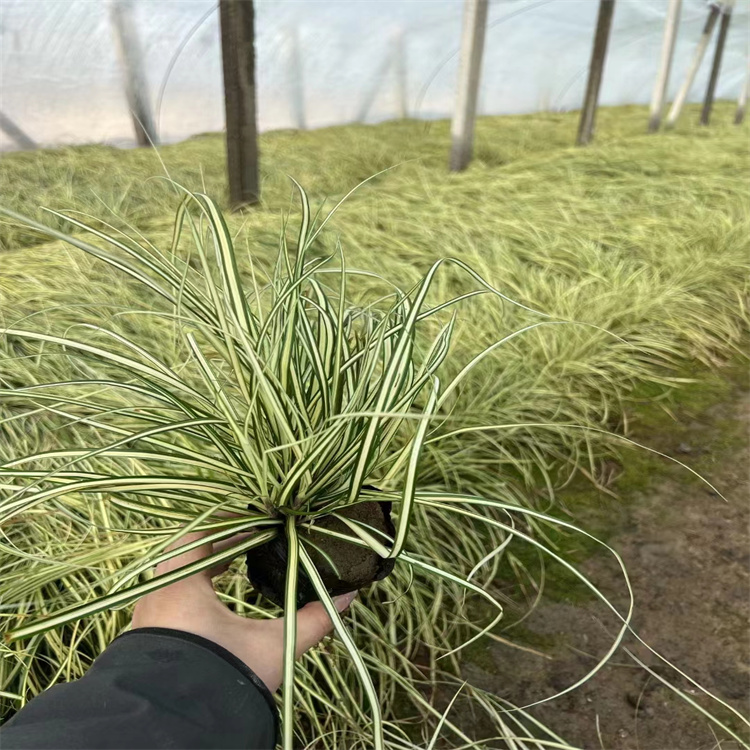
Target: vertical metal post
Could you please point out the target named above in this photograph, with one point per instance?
(739, 115)
(596, 71)
(399, 66)
(297, 78)
(708, 101)
(665, 65)
(700, 51)
(237, 20)
(131, 61)
(469, 69)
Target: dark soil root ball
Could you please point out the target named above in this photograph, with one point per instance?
(357, 566)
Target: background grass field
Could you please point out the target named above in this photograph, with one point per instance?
(645, 236)
(643, 239)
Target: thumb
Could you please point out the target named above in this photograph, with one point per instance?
(314, 624)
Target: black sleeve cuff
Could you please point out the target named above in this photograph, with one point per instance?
(152, 688)
(222, 653)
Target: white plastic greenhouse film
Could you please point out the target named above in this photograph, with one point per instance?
(60, 82)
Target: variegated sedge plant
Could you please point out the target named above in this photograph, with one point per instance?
(289, 402)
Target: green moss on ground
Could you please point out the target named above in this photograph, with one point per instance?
(694, 424)
(683, 423)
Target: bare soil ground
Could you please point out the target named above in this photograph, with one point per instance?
(687, 552)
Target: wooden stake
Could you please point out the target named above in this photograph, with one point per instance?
(469, 69)
(596, 71)
(739, 115)
(237, 19)
(665, 65)
(131, 61)
(700, 51)
(708, 101)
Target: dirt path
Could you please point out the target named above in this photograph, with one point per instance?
(688, 556)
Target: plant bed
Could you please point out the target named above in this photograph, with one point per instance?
(261, 410)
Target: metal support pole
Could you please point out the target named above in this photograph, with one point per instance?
(596, 71)
(700, 51)
(708, 101)
(665, 65)
(237, 19)
(131, 61)
(469, 69)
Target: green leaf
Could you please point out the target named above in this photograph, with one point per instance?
(290, 633)
(353, 651)
(410, 480)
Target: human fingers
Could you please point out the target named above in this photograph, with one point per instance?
(166, 606)
(200, 551)
(194, 554)
(226, 544)
(314, 624)
(181, 600)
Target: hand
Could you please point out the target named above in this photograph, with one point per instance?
(191, 605)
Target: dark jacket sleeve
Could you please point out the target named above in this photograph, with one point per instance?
(151, 688)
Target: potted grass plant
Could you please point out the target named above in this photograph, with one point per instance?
(294, 414)
(291, 409)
